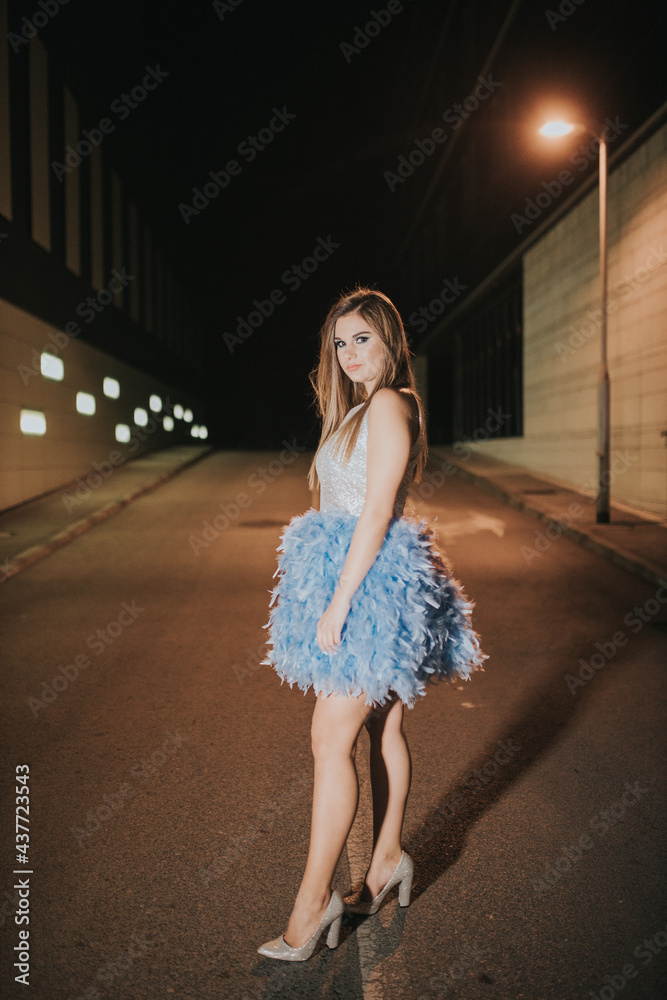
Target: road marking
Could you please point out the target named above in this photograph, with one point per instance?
(471, 526)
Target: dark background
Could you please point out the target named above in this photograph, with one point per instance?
(324, 175)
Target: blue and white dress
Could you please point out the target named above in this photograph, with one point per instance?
(409, 620)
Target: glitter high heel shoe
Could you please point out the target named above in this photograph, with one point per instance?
(402, 877)
(333, 915)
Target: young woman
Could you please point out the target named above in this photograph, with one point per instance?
(368, 612)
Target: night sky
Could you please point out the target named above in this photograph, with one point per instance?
(324, 179)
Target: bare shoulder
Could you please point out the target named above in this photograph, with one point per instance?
(396, 407)
(392, 403)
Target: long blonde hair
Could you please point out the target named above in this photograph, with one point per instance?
(336, 394)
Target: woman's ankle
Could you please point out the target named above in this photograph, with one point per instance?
(383, 859)
(313, 899)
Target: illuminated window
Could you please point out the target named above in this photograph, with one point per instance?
(85, 403)
(203, 432)
(33, 422)
(168, 424)
(140, 417)
(111, 388)
(178, 411)
(122, 433)
(155, 404)
(51, 366)
(187, 416)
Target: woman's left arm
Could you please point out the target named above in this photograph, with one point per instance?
(388, 453)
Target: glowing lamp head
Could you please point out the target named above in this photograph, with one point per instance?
(556, 129)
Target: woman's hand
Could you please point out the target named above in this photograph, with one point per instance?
(330, 625)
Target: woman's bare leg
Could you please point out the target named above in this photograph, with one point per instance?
(391, 774)
(337, 722)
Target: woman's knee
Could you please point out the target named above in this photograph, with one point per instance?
(327, 744)
(334, 732)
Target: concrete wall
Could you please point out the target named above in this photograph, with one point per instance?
(31, 465)
(562, 339)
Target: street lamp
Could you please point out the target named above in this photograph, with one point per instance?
(556, 129)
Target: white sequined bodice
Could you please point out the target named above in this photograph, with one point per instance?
(343, 487)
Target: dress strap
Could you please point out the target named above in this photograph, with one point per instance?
(419, 417)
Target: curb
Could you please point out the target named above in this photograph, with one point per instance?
(646, 571)
(38, 552)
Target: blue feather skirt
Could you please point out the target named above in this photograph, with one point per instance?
(408, 623)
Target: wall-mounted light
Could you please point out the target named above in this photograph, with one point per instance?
(140, 417)
(33, 422)
(178, 411)
(203, 432)
(85, 403)
(155, 403)
(111, 388)
(123, 433)
(187, 416)
(51, 366)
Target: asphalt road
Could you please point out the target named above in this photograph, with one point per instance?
(170, 777)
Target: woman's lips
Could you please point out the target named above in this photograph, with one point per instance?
(352, 368)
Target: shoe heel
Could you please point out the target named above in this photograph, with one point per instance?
(334, 932)
(404, 890)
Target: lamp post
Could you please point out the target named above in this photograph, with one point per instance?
(554, 129)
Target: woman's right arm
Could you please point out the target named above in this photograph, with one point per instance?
(388, 453)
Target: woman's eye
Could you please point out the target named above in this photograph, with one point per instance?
(361, 339)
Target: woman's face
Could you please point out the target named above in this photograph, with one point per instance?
(359, 349)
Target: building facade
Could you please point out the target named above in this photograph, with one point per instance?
(528, 340)
(100, 350)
